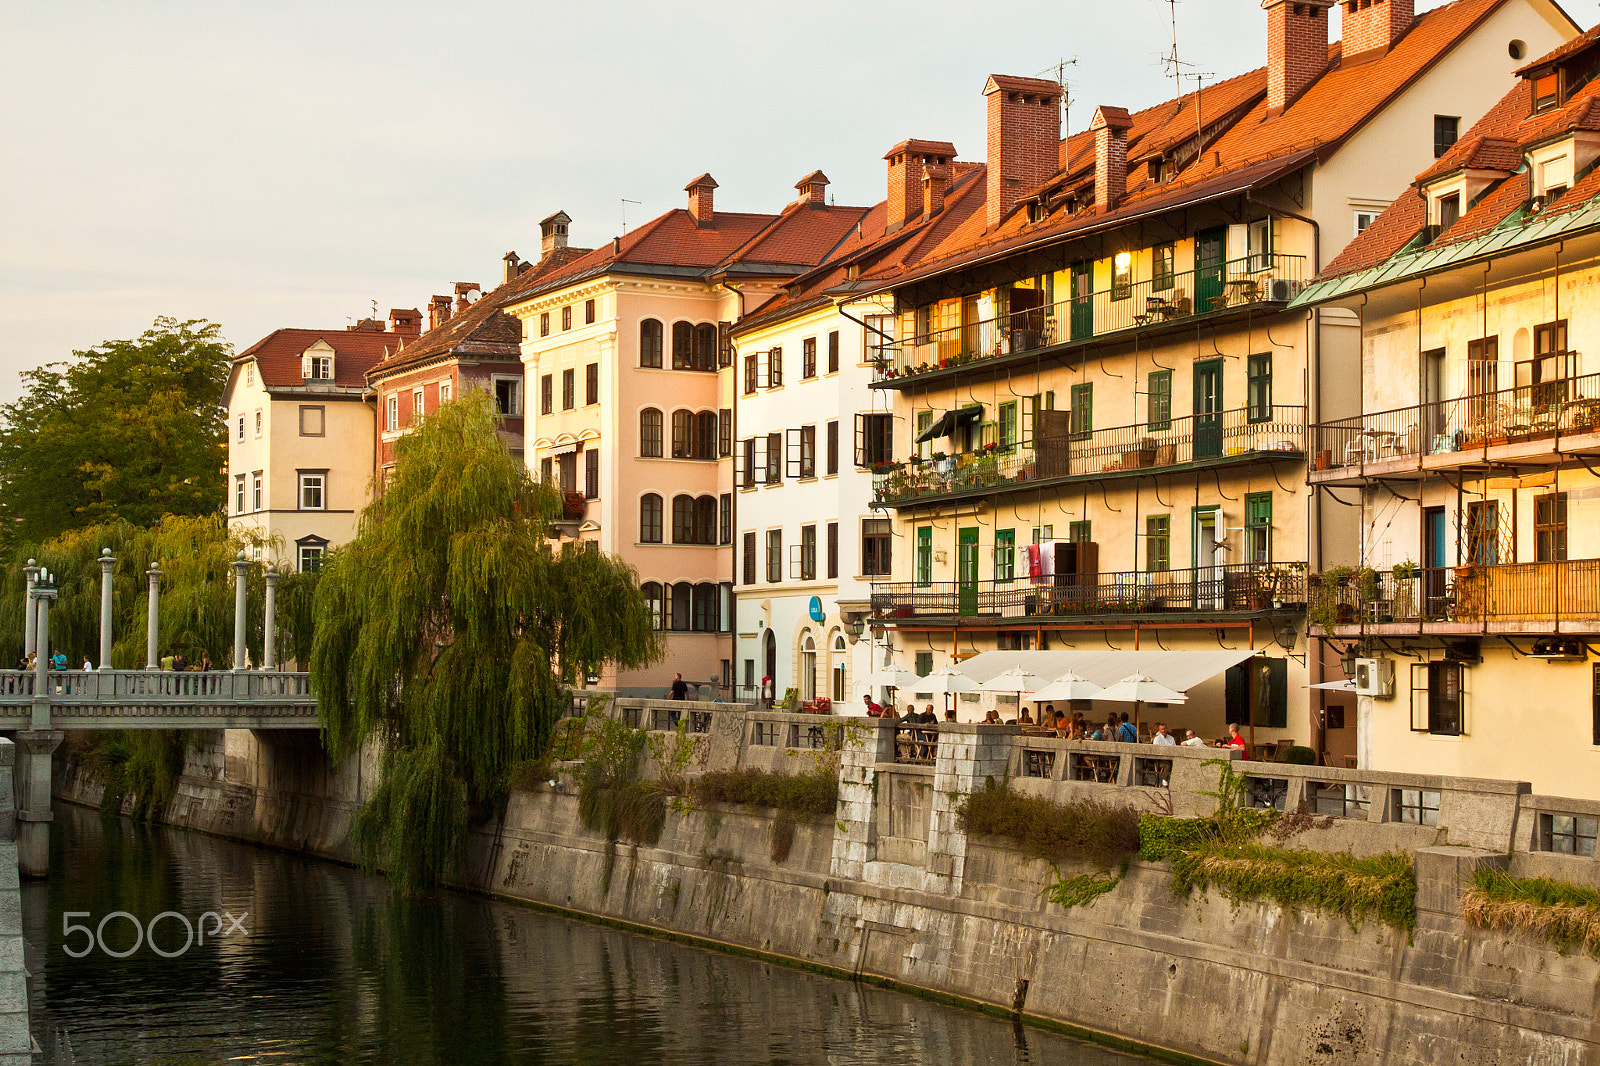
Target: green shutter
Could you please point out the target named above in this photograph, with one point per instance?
(1158, 543)
(1005, 554)
(925, 555)
(1082, 412)
(1159, 396)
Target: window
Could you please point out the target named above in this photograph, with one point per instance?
(650, 518)
(569, 392)
(1543, 375)
(1121, 275)
(750, 374)
(238, 494)
(725, 432)
(591, 382)
(774, 458)
(683, 519)
(1079, 532)
(1546, 91)
(256, 502)
(1005, 555)
(682, 434)
(808, 358)
(1436, 698)
(650, 433)
(417, 404)
(833, 550)
(655, 596)
(1157, 543)
(1081, 425)
(749, 557)
(546, 466)
(703, 442)
(311, 557)
(241, 428)
(1363, 219)
(1566, 834)
(650, 343)
(1550, 527)
(249, 374)
(875, 543)
(924, 663)
(313, 420)
(1483, 532)
(1446, 130)
(566, 317)
(774, 555)
(808, 451)
(874, 440)
(703, 356)
(258, 422)
(775, 368)
(1449, 211)
(588, 312)
(725, 518)
(312, 487)
(591, 474)
(1258, 391)
(1006, 427)
(1415, 806)
(705, 520)
(321, 368)
(924, 555)
(808, 553)
(877, 338)
(833, 351)
(680, 598)
(747, 474)
(544, 324)
(444, 392)
(831, 450)
(547, 394)
(682, 345)
(1260, 240)
(705, 608)
(1258, 527)
(1158, 399)
(1163, 267)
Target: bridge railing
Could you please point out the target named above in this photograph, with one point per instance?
(143, 686)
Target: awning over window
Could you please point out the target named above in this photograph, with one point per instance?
(1178, 670)
(950, 421)
(562, 449)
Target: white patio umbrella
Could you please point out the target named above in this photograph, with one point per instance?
(1014, 680)
(1068, 687)
(1139, 689)
(947, 681)
(894, 677)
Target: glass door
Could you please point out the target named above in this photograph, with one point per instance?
(1210, 248)
(1433, 563)
(1208, 409)
(967, 571)
(1208, 559)
(1082, 300)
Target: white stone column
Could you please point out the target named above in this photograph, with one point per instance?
(240, 567)
(970, 754)
(867, 742)
(29, 621)
(152, 642)
(269, 649)
(107, 565)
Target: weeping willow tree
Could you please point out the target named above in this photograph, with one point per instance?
(196, 607)
(443, 630)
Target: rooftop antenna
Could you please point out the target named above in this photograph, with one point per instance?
(625, 203)
(374, 308)
(1175, 67)
(1060, 72)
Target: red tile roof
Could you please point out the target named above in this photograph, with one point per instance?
(277, 355)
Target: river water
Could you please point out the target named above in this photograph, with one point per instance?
(309, 962)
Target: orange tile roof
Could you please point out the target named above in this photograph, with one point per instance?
(277, 355)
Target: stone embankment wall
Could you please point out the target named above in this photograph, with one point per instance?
(893, 889)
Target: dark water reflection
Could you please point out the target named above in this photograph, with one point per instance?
(336, 969)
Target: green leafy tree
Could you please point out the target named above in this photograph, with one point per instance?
(441, 632)
(130, 430)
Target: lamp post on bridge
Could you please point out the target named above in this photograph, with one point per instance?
(240, 567)
(29, 622)
(107, 564)
(152, 630)
(36, 745)
(268, 644)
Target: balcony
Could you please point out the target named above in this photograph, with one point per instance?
(1223, 438)
(1234, 287)
(1504, 598)
(1527, 424)
(1248, 588)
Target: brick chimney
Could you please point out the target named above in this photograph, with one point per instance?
(462, 289)
(906, 161)
(405, 321)
(553, 233)
(438, 311)
(935, 180)
(1024, 139)
(813, 189)
(1372, 26)
(1110, 129)
(1297, 48)
(699, 191)
(513, 266)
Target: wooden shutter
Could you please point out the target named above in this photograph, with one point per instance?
(791, 453)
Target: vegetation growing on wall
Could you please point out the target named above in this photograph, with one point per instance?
(1563, 913)
(809, 795)
(1082, 831)
(611, 798)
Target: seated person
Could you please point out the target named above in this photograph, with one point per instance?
(1025, 720)
(928, 717)
(1162, 738)
(992, 718)
(1190, 740)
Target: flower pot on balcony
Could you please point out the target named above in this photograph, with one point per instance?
(573, 505)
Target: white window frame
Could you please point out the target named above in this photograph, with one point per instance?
(321, 368)
(444, 392)
(257, 496)
(516, 393)
(238, 494)
(306, 479)
(1368, 214)
(258, 423)
(418, 402)
(307, 551)
(241, 428)
(391, 413)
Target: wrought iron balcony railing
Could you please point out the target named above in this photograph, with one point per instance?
(1537, 592)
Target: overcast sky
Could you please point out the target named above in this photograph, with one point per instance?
(288, 164)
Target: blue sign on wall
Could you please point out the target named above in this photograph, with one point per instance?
(816, 609)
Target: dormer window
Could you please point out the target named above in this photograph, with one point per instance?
(1546, 91)
(322, 368)
(1449, 210)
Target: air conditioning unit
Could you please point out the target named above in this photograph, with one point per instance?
(1559, 650)
(1282, 290)
(1375, 677)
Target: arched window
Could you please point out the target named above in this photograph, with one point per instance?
(705, 346)
(705, 520)
(650, 343)
(682, 434)
(650, 519)
(836, 668)
(808, 667)
(705, 608)
(653, 593)
(683, 519)
(682, 346)
(682, 606)
(705, 435)
(650, 433)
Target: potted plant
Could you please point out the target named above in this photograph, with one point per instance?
(573, 505)
(1403, 578)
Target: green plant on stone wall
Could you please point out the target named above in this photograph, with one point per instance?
(674, 751)
(611, 798)
(1082, 831)
(1069, 892)
(1382, 887)
(1565, 914)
